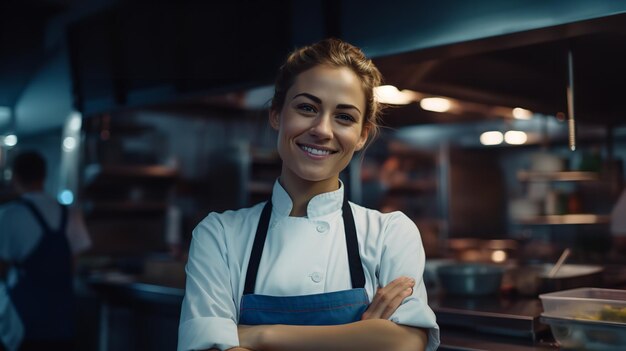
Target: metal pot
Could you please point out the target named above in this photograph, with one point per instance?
(470, 279)
(534, 280)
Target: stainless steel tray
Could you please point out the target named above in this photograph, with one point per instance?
(582, 334)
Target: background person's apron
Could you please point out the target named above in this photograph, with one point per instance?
(339, 307)
(44, 294)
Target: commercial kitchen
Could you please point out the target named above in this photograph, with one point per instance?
(503, 140)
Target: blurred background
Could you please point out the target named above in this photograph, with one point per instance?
(503, 141)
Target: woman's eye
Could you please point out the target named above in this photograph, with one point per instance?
(306, 108)
(346, 117)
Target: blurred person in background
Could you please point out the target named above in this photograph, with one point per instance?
(39, 239)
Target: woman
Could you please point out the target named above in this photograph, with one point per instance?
(308, 270)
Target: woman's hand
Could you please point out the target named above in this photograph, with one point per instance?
(389, 298)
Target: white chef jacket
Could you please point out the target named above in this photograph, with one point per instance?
(301, 256)
(19, 235)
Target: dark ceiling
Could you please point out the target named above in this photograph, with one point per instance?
(527, 69)
(23, 42)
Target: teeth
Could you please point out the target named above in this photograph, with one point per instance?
(315, 151)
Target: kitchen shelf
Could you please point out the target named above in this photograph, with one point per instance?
(563, 176)
(95, 171)
(579, 218)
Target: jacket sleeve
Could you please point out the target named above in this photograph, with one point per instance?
(403, 255)
(208, 315)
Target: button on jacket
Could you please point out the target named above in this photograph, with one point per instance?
(302, 256)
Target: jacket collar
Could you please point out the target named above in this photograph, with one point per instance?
(320, 205)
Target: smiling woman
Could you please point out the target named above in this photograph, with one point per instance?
(332, 275)
(320, 127)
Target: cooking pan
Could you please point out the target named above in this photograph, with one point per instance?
(535, 279)
(470, 279)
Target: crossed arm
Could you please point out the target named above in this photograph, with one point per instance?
(373, 332)
(370, 334)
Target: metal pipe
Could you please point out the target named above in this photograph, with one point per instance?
(571, 122)
(443, 181)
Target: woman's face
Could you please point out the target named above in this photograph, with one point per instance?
(321, 124)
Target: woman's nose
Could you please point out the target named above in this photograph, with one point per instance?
(322, 127)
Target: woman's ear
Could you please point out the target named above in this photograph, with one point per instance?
(274, 119)
(363, 138)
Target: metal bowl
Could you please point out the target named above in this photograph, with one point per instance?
(471, 279)
(535, 279)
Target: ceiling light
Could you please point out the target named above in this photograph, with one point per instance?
(491, 138)
(10, 140)
(522, 113)
(435, 104)
(498, 256)
(66, 197)
(75, 121)
(69, 143)
(389, 94)
(515, 137)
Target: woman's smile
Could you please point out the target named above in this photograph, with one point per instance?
(316, 152)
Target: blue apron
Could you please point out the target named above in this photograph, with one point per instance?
(339, 307)
(44, 294)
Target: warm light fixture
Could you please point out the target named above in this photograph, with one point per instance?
(498, 256)
(389, 94)
(491, 138)
(515, 137)
(522, 113)
(435, 104)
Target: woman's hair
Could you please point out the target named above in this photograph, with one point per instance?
(334, 53)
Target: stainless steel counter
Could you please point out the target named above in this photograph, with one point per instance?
(118, 289)
(491, 323)
(135, 313)
(503, 322)
(458, 339)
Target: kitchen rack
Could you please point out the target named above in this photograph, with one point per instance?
(562, 219)
(563, 176)
(575, 218)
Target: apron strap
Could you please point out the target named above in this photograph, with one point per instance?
(38, 216)
(42, 222)
(257, 248)
(354, 259)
